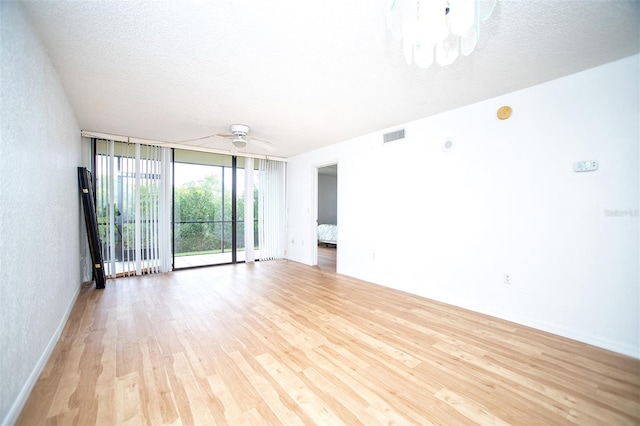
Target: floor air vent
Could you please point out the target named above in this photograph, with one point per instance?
(393, 136)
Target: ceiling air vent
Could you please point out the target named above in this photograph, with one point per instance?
(393, 136)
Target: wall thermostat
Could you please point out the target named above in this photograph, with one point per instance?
(585, 166)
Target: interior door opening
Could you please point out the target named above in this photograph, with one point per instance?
(327, 218)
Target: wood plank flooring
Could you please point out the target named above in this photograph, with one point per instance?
(327, 257)
(284, 343)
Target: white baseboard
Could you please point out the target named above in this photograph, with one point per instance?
(298, 260)
(618, 347)
(21, 400)
(613, 346)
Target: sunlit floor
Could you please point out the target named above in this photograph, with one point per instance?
(180, 262)
(209, 259)
(204, 259)
(326, 260)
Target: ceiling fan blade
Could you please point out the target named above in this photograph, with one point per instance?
(235, 137)
(205, 139)
(263, 143)
(202, 139)
(225, 135)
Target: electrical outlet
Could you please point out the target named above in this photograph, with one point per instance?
(507, 279)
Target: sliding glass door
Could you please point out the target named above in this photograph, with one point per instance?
(208, 215)
(157, 213)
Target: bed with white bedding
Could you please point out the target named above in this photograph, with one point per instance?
(327, 234)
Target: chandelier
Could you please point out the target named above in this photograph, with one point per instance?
(437, 29)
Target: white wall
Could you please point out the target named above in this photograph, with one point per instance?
(449, 225)
(40, 150)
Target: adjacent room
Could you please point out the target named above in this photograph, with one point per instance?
(406, 211)
(327, 217)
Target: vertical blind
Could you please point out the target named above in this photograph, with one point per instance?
(133, 197)
(249, 237)
(134, 202)
(271, 209)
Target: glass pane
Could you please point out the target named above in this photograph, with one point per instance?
(203, 216)
(199, 203)
(228, 181)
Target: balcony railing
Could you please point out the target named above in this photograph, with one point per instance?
(191, 238)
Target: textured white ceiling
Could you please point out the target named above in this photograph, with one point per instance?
(302, 74)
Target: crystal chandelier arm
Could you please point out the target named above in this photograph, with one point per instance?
(447, 27)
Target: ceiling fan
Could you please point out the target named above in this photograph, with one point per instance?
(238, 135)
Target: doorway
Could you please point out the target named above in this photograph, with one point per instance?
(327, 217)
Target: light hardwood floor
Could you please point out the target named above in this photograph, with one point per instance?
(283, 343)
(327, 258)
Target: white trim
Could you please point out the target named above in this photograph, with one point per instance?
(120, 138)
(107, 136)
(23, 396)
(315, 206)
(575, 335)
(315, 193)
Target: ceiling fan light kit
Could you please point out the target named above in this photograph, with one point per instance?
(239, 142)
(239, 132)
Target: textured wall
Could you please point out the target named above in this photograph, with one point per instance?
(39, 208)
(449, 225)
